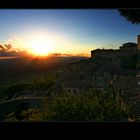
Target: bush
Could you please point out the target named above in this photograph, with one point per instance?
(31, 115)
(7, 91)
(88, 107)
(10, 90)
(41, 84)
(11, 118)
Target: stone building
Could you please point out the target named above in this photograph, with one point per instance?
(130, 46)
(138, 57)
(73, 87)
(125, 49)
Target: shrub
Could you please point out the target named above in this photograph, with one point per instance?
(31, 115)
(11, 118)
(88, 107)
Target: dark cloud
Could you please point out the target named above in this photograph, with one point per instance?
(5, 47)
(2, 47)
(8, 46)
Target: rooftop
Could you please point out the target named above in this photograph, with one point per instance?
(129, 44)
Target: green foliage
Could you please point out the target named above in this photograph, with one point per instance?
(88, 107)
(11, 118)
(11, 90)
(91, 106)
(7, 91)
(41, 83)
(31, 115)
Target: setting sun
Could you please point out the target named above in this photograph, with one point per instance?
(39, 46)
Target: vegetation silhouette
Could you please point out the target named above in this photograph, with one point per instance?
(132, 15)
(95, 106)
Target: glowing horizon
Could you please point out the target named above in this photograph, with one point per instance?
(76, 31)
(43, 44)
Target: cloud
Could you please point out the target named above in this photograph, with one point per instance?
(2, 47)
(13, 47)
(5, 47)
(17, 44)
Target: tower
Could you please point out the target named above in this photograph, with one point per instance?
(138, 45)
(138, 56)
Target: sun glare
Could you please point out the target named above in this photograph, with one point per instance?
(39, 46)
(45, 44)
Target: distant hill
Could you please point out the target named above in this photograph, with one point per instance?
(12, 67)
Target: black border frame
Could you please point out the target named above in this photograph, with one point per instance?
(71, 128)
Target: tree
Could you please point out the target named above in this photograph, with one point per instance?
(132, 15)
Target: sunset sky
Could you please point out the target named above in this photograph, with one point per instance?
(66, 31)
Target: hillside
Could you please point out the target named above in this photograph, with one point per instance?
(16, 67)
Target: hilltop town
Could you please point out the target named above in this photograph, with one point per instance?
(111, 70)
(107, 68)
